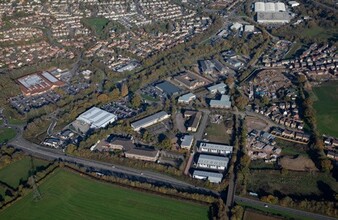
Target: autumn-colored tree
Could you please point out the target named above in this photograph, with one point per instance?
(124, 90)
(115, 94)
(136, 101)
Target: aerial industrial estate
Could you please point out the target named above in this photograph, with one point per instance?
(191, 109)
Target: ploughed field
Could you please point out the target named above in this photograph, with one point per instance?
(67, 195)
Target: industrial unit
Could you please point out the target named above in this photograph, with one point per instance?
(150, 120)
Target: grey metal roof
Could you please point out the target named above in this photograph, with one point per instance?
(97, 117)
(149, 119)
(213, 160)
(219, 147)
(187, 140)
(208, 174)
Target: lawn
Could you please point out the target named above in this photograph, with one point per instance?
(6, 134)
(19, 171)
(217, 133)
(67, 195)
(293, 50)
(327, 108)
(96, 24)
(291, 182)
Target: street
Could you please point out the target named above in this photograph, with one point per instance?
(295, 212)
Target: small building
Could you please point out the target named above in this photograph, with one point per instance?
(249, 28)
(150, 120)
(51, 142)
(187, 98)
(224, 102)
(187, 141)
(212, 148)
(146, 154)
(213, 177)
(293, 3)
(212, 162)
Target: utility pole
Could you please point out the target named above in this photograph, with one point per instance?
(36, 192)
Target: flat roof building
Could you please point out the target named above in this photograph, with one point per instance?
(206, 175)
(146, 154)
(220, 87)
(224, 102)
(187, 141)
(206, 147)
(273, 17)
(97, 118)
(187, 98)
(269, 7)
(150, 120)
(194, 121)
(212, 162)
(38, 83)
(168, 88)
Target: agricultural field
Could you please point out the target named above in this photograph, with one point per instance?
(6, 134)
(292, 183)
(326, 108)
(217, 133)
(63, 192)
(18, 171)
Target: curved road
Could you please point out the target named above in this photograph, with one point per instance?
(152, 177)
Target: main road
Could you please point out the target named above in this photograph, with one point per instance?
(127, 172)
(295, 212)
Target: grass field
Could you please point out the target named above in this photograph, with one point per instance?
(293, 50)
(96, 24)
(327, 108)
(67, 195)
(290, 183)
(19, 171)
(6, 134)
(217, 133)
(292, 149)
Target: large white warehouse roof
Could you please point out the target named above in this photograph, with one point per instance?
(269, 6)
(97, 118)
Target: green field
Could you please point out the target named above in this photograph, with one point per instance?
(67, 195)
(291, 148)
(96, 24)
(19, 171)
(217, 133)
(6, 134)
(290, 183)
(326, 108)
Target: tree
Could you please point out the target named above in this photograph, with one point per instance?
(230, 81)
(241, 101)
(115, 93)
(136, 101)
(326, 165)
(103, 98)
(124, 90)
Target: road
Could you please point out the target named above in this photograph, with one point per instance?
(295, 212)
(200, 132)
(146, 176)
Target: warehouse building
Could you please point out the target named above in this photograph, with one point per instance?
(150, 120)
(212, 162)
(273, 17)
(38, 83)
(97, 118)
(205, 175)
(206, 147)
(269, 7)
